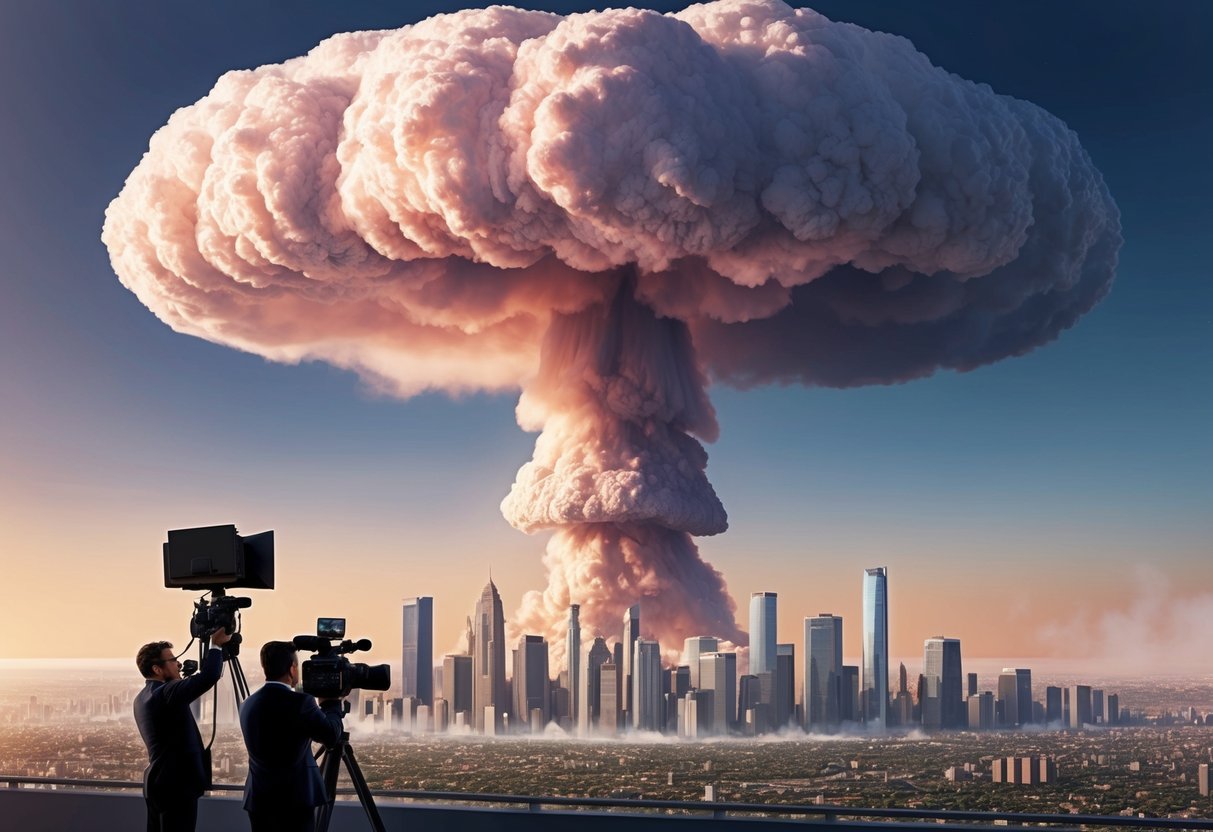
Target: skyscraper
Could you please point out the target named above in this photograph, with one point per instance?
(531, 682)
(1080, 706)
(457, 684)
(608, 716)
(648, 705)
(1053, 712)
(784, 707)
(762, 632)
(1006, 707)
(875, 690)
(981, 711)
(718, 673)
(1015, 696)
(750, 704)
(1023, 695)
(591, 685)
(572, 658)
(488, 657)
(692, 649)
(417, 657)
(848, 706)
(822, 670)
(631, 634)
(941, 663)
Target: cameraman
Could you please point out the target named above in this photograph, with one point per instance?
(284, 785)
(178, 771)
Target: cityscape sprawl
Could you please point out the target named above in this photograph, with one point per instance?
(627, 716)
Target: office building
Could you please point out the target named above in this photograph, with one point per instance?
(487, 648)
(942, 667)
(1007, 706)
(971, 683)
(849, 706)
(1023, 695)
(1053, 700)
(417, 656)
(1097, 709)
(457, 683)
(1080, 706)
(608, 710)
(981, 711)
(692, 649)
(822, 671)
(593, 659)
(875, 692)
(762, 632)
(631, 634)
(1113, 715)
(680, 680)
(1202, 779)
(718, 673)
(572, 661)
(695, 714)
(648, 706)
(1014, 706)
(532, 685)
(784, 707)
(749, 697)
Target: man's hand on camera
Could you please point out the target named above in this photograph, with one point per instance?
(220, 637)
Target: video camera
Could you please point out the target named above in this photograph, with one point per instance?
(219, 613)
(328, 674)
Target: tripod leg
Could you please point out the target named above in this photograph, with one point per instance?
(239, 681)
(329, 767)
(360, 786)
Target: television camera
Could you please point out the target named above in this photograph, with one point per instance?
(328, 674)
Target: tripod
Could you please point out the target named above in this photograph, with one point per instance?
(231, 658)
(330, 758)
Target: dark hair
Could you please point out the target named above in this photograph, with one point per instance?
(149, 656)
(277, 658)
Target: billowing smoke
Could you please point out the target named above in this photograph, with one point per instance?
(606, 210)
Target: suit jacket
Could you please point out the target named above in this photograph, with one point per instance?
(279, 726)
(176, 769)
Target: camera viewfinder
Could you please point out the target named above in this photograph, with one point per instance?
(330, 627)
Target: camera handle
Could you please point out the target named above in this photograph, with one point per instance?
(330, 758)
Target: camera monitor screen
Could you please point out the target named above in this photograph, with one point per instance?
(330, 627)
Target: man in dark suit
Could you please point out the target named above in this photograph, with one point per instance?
(177, 771)
(284, 786)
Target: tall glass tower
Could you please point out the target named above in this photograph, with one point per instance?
(762, 632)
(942, 669)
(572, 658)
(875, 687)
(631, 635)
(417, 656)
(822, 670)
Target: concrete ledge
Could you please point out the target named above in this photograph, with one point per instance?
(46, 810)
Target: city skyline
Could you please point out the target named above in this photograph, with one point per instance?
(1084, 464)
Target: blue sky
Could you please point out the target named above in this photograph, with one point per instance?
(1005, 488)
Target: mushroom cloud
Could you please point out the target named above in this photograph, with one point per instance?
(605, 211)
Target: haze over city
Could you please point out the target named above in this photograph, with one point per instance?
(1053, 504)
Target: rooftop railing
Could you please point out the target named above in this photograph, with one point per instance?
(835, 817)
